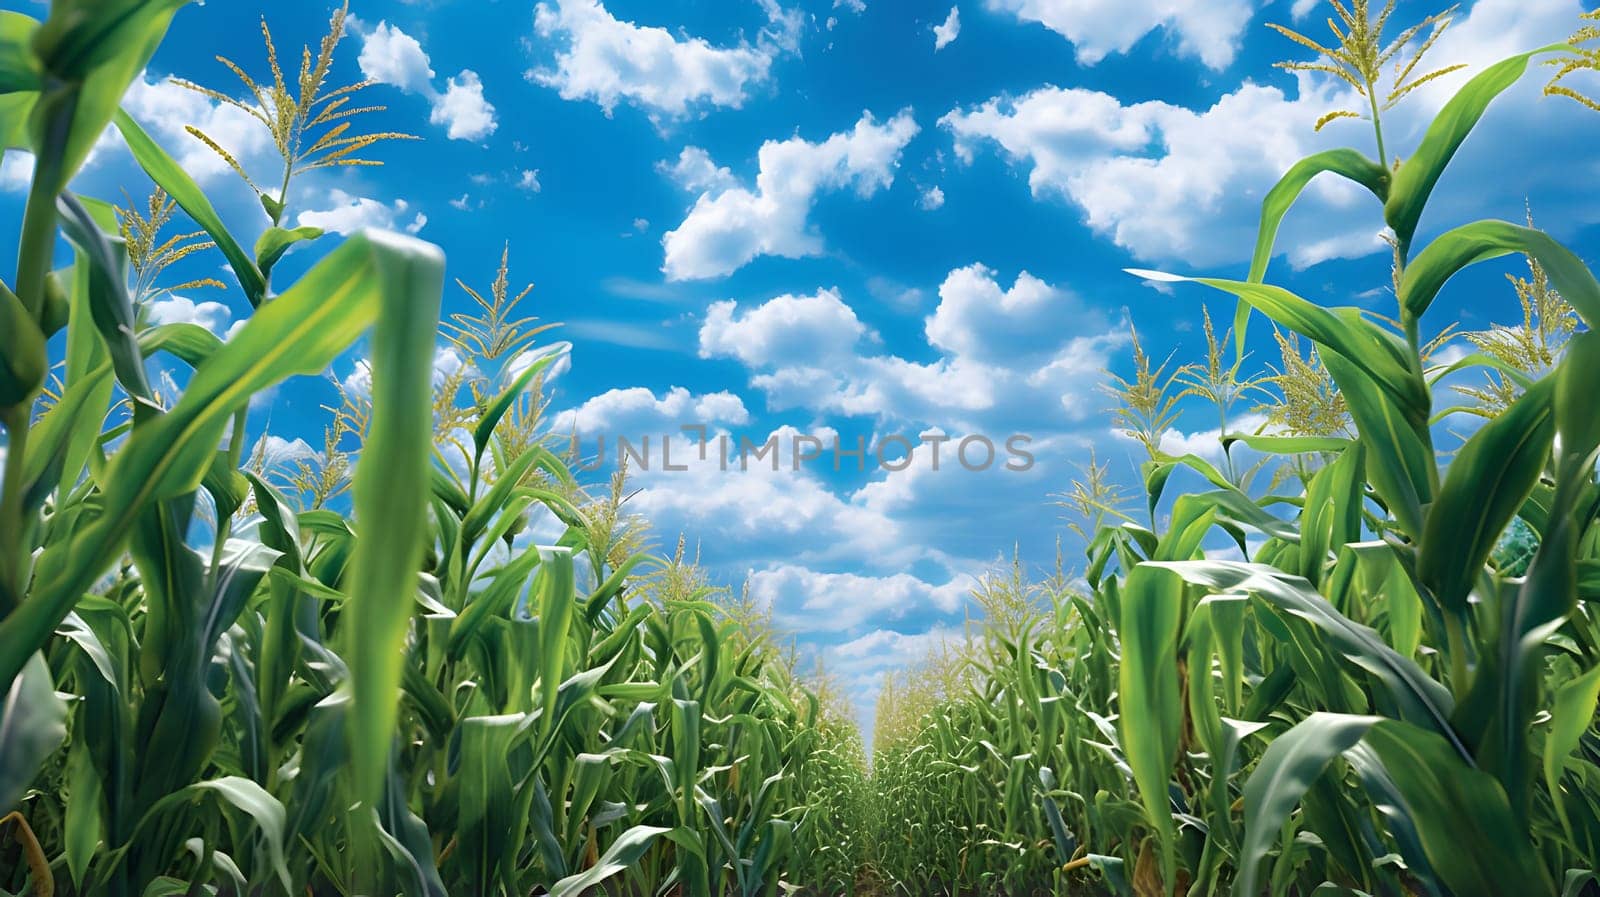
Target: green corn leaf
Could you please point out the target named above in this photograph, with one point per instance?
(1151, 710)
(1400, 463)
(190, 343)
(1414, 181)
(33, 723)
(1419, 699)
(623, 854)
(1499, 709)
(111, 309)
(1346, 163)
(1480, 241)
(1289, 445)
(1576, 421)
(486, 799)
(61, 437)
(1293, 762)
(1571, 714)
(187, 194)
(1333, 512)
(275, 241)
(90, 56)
(556, 598)
(82, 825)
(22, 352)
(19, 68)
(1484, 487)
(1461, 815)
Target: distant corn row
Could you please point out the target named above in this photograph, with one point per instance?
(1394, 694)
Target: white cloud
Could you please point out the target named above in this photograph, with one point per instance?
(1162, 181)
(349, 214)
(16, 171)
(731, 225)
(1302, 8)
(213, 316)
(856, 6)
(804, 600)
(788, 330)
(608, 61)
(529, 181)
(1209, 31)
(391, 56)
(694, 171)
(638, 411)
(462, 109)
(947, 32)
(275, 451)
(932, 198)
(979, 319)
(1031, 353)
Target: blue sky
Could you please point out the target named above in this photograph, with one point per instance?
(862, 218)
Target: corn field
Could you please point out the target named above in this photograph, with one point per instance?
(1356, 655)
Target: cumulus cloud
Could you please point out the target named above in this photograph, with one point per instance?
(787, 330)
(932, 198)
(529, 180)
(349, 213)
(463, 110)
(947, 32)
(213, 316)
(639, 411)
(1207, 31)
(1030, 351)
(979, 318)
(608, 61)
(804, 600)
(731, 224)
(1160, 180)
(694, 171)
(391, 56)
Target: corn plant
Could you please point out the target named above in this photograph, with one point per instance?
(81, 502)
